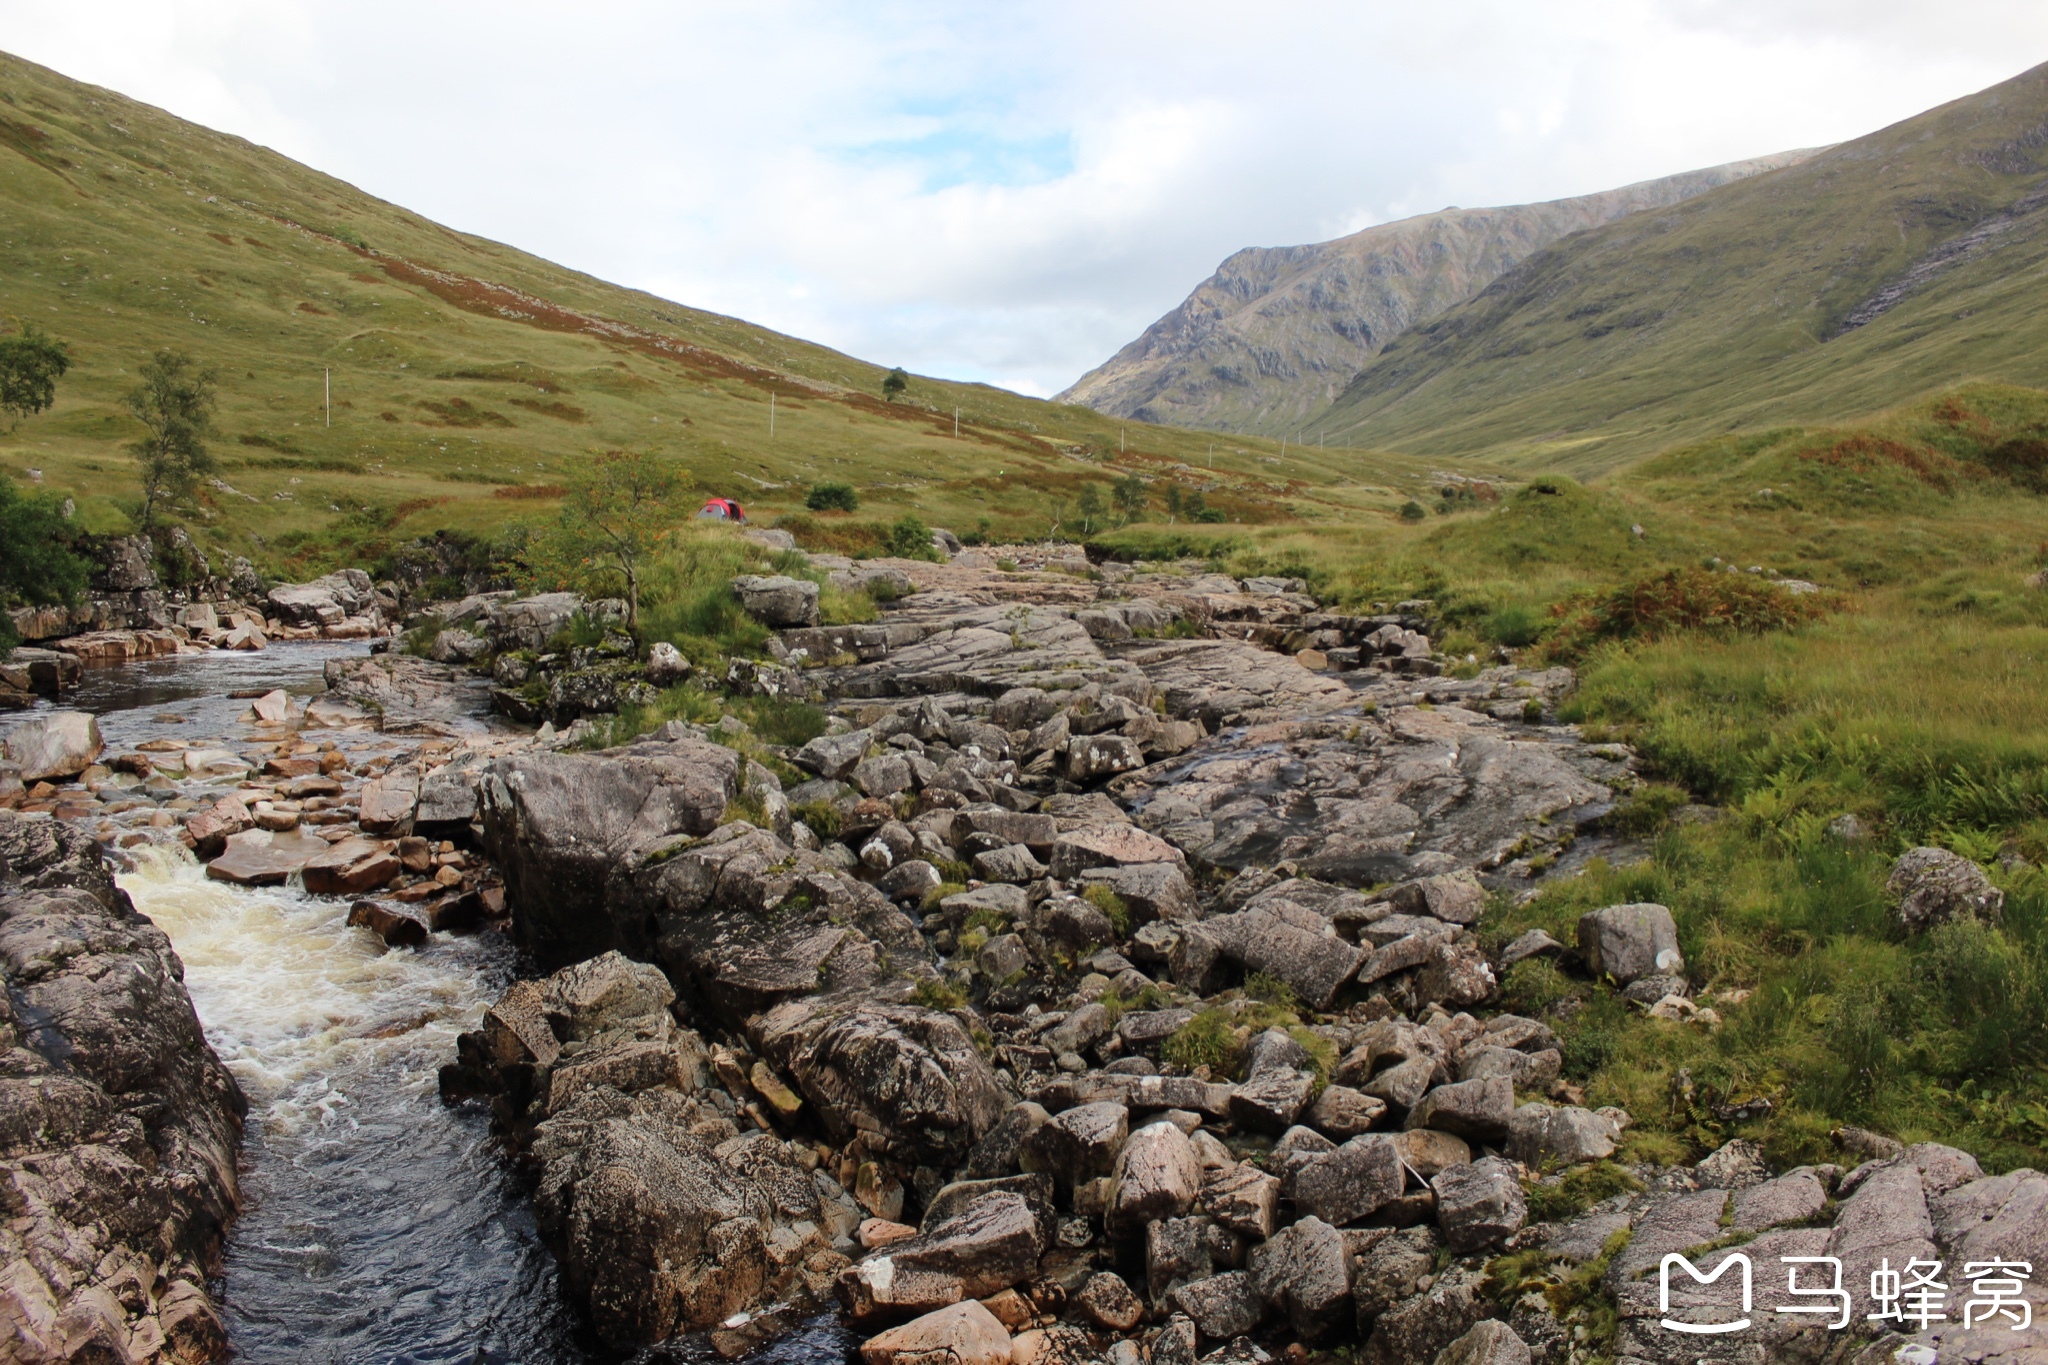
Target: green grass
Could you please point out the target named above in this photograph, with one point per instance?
(1724, 311)
(469, 377)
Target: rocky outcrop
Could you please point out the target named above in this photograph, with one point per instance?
(118, 1125)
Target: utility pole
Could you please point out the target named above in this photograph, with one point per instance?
(771, 414)
(956, 424)
(327, 382)
(1122, 446)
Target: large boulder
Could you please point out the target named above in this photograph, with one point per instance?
(1305, 1274)
(909, 1081)
(1933, 886)
(1479, 1204)
(653, 1232)
(560, 826)
(325, 601)
(778, 601)
(1157, 1175)
(990, 1245)
(529, 623)
(56, 744)
(959, 1334)
(1630, 941)
(118, 1124)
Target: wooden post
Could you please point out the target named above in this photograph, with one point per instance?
(328, 384)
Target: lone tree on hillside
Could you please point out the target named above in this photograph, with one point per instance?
(832, 497)
(174, 403)
(1088, 507)
(894, 385)
(30, 366)
(1128, 493)
(619, 509)
(37, 565)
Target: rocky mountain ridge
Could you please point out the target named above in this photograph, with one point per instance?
(1267, 342)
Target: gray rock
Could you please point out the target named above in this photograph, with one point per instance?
(778, 601)
(1630, 941)
(1243, 1199)
(1156, 1176)
(1420, 1327)
(1305, 1274)
(1090, 758)
(1176, 1253)
(1455, 975)
(1455, 897)
(1350, 1183)
(1152, 891)
(1081, 1143)
(1023, 708)
(1533, 943)
(992, 1244)
(1221, 1306)
(1109, 1303)
(834, 757)
(1793, 1197)
(1491, 1342)
(1013, 864)
(1403, 1085)
(884, 775)
(1389, 1266)
(1478, 1205)
(1933, 886)
(1539, 1135)
(1341, 1112)
(909, 881)
(1272, 1099)
(56, 745)
(666, 665)
(1478, 1111)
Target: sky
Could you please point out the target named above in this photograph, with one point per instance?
(1006, 192)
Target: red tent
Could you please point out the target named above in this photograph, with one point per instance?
(723, 508)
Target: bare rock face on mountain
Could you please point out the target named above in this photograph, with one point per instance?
(1276, 333)
(118, 1124)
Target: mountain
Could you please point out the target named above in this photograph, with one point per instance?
(1875, 271)
(1277, 332)
(467, 375)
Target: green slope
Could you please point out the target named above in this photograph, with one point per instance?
(1886, 267)
(468, 375)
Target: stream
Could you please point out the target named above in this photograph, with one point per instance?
(379, 1226)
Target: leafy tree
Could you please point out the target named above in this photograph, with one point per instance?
(620, 508)
(174, 403)
(1088, 507)
(37, 564)
(1128, 493)
(1175, 507)
(910, 538)
(894, 385)
(832, 497)
(30, 366)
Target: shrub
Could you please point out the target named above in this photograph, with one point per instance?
(1270, 990)
(910, 538)
(1681, 601)
(936, 994)
(832, 497)
(1411, 510)
(1513, 625)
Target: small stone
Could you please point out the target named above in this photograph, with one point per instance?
(1109, 1302)
(1630, 941)
(1491, 1342)
(1222, 1306)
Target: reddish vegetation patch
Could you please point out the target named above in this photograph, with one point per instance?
(309, 308)
(567, 412)
(253, 242)
(1681, 601)
(411, 505)
(529, 490)
(1864, 452)
(460, 412)
(364, 277)
(222, 238)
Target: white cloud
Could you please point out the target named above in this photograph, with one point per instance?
(1006, 193)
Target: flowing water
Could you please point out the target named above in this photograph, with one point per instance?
(378, 1226)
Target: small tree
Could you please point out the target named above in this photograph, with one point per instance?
(37, 565)
(619, 509)
(30, 366)
(910, 538)
(174, 403)
(1173, 502)
(1128, 493)
(1088, 507)
(894, 385)
(832, 497)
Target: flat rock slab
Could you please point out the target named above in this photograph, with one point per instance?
(258, 857)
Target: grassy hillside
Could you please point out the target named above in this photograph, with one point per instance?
(468, 375)
(1881, 269)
